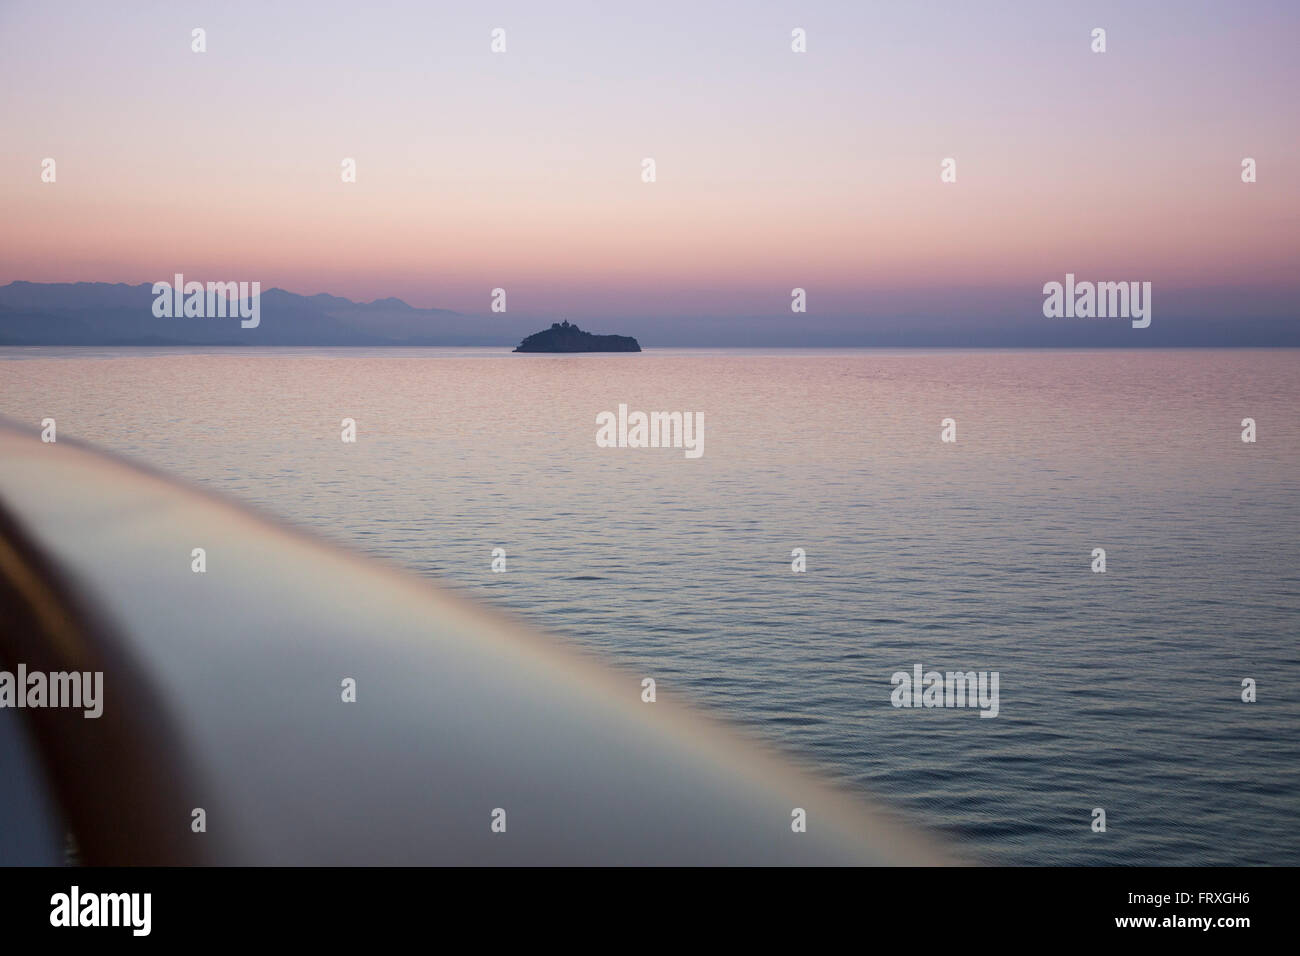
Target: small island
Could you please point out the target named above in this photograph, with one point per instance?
(563, 337)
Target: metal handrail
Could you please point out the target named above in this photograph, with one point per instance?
(223, 692)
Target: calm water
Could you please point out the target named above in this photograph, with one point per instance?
(1118, 690)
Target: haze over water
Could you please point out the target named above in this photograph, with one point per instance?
(1118, 690)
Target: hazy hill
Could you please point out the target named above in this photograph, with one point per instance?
(103, 313)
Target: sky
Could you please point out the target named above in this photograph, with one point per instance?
(522, 170)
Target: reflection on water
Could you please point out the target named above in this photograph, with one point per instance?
(1118, 690)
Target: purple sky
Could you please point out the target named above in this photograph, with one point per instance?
(522, 170)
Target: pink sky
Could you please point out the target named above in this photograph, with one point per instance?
(775, 169)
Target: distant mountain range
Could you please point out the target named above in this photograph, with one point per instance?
(103, 313)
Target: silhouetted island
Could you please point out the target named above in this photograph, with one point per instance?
(563, 337)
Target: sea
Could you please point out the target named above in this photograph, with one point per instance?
(825, 540)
